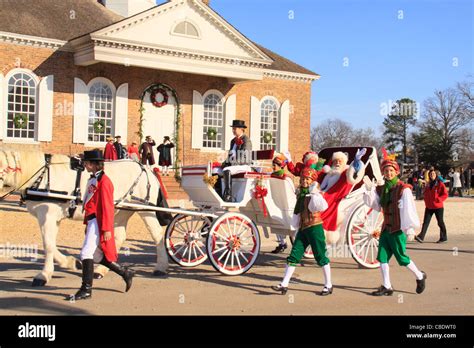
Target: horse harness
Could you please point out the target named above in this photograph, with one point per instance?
(34, 193)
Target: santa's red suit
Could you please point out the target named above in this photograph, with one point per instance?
(336, 186)
(99, 203)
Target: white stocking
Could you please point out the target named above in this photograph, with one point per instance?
(327, 276)
(385, 275)
(288, 273)
(412, 267)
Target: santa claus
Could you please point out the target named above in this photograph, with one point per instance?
(336, 183)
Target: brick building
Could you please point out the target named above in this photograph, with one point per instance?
(73, 72)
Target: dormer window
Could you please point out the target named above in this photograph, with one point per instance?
(186, 28)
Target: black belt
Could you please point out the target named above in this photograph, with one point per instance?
(90, 217)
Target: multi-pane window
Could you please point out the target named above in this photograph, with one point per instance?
(21, 106)
(100, 112)
(268, 124)
(213, 122)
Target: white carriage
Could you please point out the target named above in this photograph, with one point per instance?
(228, 234)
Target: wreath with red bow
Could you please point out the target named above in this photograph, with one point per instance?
(154, 94)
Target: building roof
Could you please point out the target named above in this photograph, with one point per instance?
(54, 19)
(68, 19)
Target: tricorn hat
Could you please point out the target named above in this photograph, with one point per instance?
(238, 124)
(93, 155)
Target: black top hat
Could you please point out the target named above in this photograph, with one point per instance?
(238, 124)
(94, 155)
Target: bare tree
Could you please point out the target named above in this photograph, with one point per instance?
(465, 91)
(338, 133)
(446, 121)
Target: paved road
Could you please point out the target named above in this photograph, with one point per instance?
(202, 290)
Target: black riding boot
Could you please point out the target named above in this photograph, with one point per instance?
(227, 177)
(122, 271)
(85, 292)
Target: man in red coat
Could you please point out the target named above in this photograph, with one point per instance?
(99, 243)
(336, 185)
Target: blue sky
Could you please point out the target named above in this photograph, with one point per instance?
(389, 58)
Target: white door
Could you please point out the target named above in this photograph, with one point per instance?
(159, 122)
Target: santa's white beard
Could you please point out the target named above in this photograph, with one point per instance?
(331, 178)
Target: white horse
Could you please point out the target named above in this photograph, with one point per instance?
(17, 168)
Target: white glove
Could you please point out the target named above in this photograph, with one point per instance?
(360, 153)
(368, 184)
(314, 188)
(287, 155)
(410, 234)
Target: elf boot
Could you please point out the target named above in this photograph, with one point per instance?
(122, 271)
(85, 292)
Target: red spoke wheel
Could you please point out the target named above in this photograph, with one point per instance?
(185, 239)
(233, 244)
(363, 233)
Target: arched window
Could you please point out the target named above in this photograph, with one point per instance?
(213, 121)
(186, 28)
(269, 111)
(101, 101)
(22, 106)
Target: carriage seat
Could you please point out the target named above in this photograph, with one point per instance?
(260, 160)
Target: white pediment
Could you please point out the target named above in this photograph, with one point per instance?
(154, 28)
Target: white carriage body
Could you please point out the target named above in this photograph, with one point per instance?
(226, 243)
(280, 200)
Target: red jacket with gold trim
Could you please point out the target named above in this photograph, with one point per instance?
(99, 200)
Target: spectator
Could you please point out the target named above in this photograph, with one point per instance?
(165, 154)
(435, 194)
(451, 171)
(110, 152)
(119, 147)
(146, 151)
(457, 185)
(133, 151)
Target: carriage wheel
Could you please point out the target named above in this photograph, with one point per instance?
(185, 239)
(363, 233)
(233, 244)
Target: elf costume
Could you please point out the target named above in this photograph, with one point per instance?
(308, 210)
(395, 199)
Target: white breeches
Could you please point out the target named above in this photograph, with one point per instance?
(91, 247)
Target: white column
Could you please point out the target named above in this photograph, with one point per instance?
(45, 109)
(81, 111)
(284, 129)
(121, 112)
(3, 106)
(255, 118)
(197, 122)
(230, 111)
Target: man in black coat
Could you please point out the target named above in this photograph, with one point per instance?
(119, 147)
(239, 158)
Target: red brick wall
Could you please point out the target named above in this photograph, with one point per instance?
(44, 62)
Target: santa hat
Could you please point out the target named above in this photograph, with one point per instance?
(280, 160)
(310, 158)
(308, 172)
(389, 161)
